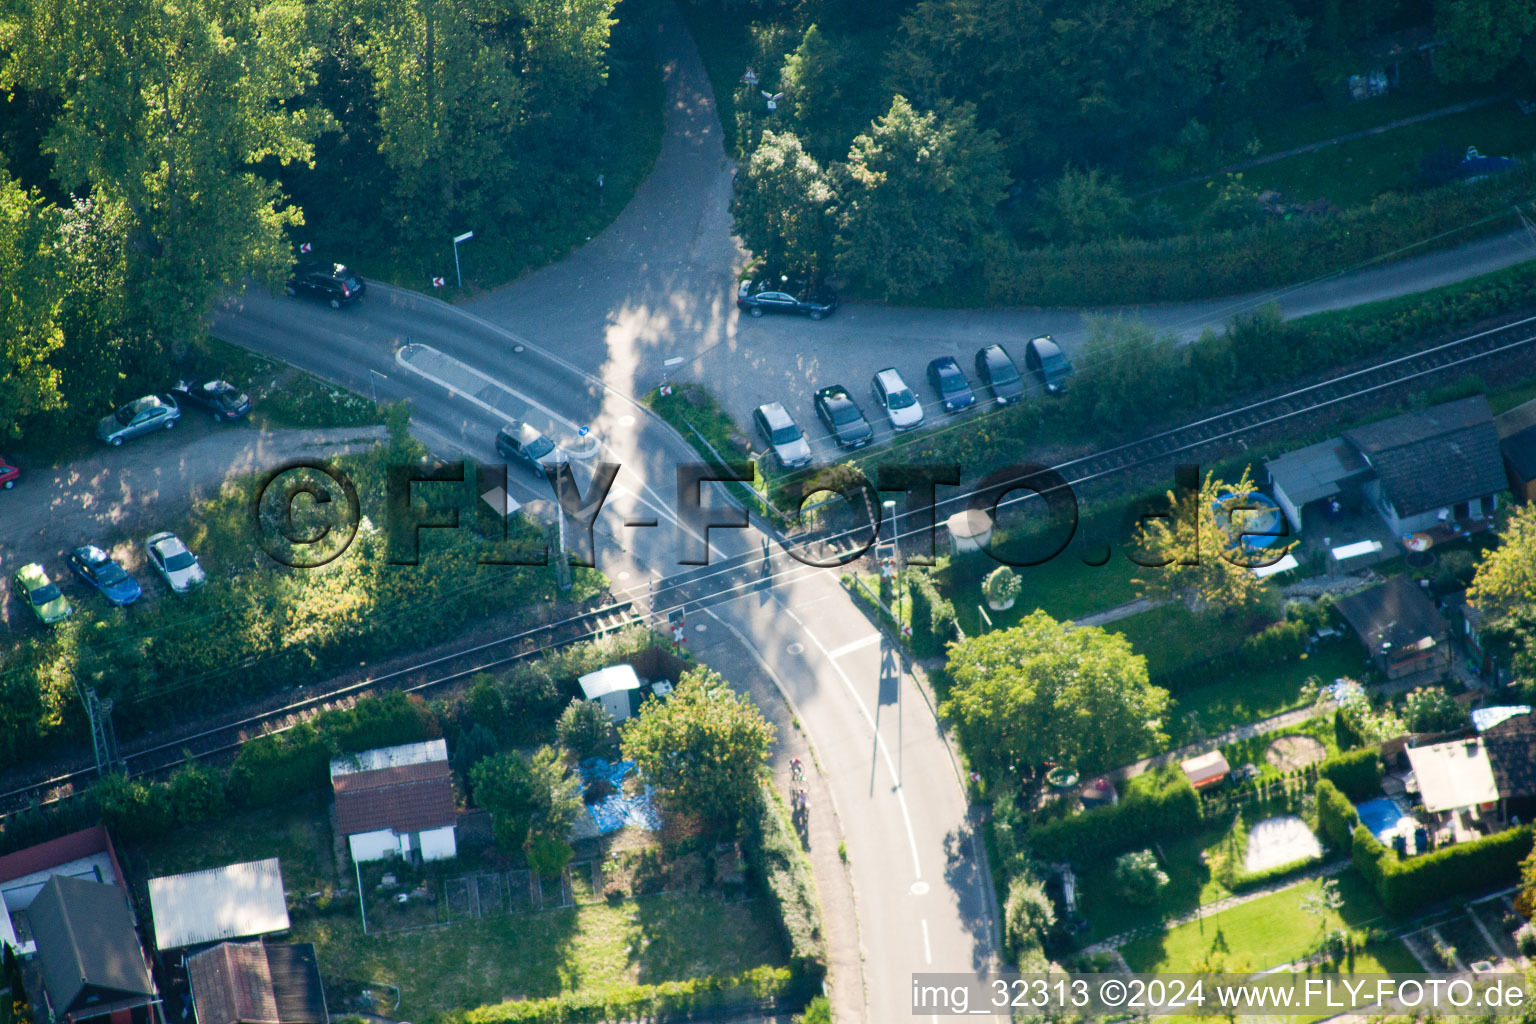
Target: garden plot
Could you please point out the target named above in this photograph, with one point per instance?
(1276, 841)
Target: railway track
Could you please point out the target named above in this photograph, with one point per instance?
(751, 572)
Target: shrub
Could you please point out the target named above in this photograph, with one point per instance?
(1251, 880)
(1336, 816)
(636, 1002)
(1357, 773)
(1275, 644)
(1407, 885)
(1028, 916)
(1003, 585)
(1430, 709)
(1525, 940)
(779, 867)
(933, 616)
(1138, 877)
(585, 728)
(1155, 804)
(817, 1011)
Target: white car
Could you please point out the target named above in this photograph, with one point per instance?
(899, 401)
(175, 563)
(779, 430)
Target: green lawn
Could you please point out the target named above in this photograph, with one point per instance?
(1272, 929)
(1064, 588)
(298, 834)
(1252, 750)
(1174, 639)
(594, 946)
(1259, 693)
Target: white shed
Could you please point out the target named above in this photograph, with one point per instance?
(232, 902)
(616, 688)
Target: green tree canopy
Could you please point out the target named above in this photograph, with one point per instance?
(531, 799)
(30, 305)
(784, 207)
(1485, 37)
(920, 193)
(1045, 691)
(705, 748)
(585, 728)
(1504, 590)
(1083, 206)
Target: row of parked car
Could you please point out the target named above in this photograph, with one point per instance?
(845, 421)
(221, 399)
(169, 557)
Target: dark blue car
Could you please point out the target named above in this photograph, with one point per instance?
(98, 569)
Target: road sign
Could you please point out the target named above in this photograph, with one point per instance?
(466, 236)
(906, 631)
(306, 247)
(437, 282)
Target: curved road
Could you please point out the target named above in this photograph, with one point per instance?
(571, 345)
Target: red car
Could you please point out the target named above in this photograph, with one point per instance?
(9, 474)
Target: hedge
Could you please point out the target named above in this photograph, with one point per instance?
(1253, 879)
(1276, 644)
(1205, 264)
(1154, 805)
(1336, 816)
(1357, 773)
(751, 990)
(778, 865)
(933, 616)
(1407, 885)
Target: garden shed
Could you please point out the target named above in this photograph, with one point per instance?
(616, 688)
(1207, 770)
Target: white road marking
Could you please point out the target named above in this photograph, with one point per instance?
(856, 645)
(400, 357)
(927, 949)
(885, 751)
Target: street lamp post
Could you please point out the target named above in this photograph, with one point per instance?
(466, 236)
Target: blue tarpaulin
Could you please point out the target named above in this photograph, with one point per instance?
(618, 809)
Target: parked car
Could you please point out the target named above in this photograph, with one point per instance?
(784, 296)
(175, 563)
(1045, 360)
(35, 590)
(222, 399)
(332, 283)
(9, 474)
(899, 401)
(140, 416)
(783, 434)
(101, 571)
(843, 417)
(946, 377)
(995, 368)
(520, 441)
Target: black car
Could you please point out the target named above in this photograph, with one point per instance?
(995, 368)
(785, 296)
(524, 443)
(1044, 358)
(328, 282)
(844, 420)
(226, 402)
(946, 377)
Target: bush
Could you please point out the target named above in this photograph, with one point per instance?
(1430, 709)
(635, 1002)
(585, 728)
(779, 867)
(1028, 915)
(1138, 877)
(1525, 940)
(1403, 886)
(1002, 585)
(817, 1011)
(1155, 804)
(933, 615)
(1252, 880)
(1336, 816)
(1357, 773)
(1275, 644)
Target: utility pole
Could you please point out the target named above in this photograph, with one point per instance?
(562, 560)
(466, 236)
(103, 736)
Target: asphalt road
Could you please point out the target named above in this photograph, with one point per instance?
(570, 346)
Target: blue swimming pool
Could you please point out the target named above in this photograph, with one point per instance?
(1380, 815)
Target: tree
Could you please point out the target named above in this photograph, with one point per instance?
(1046, 691)
(783, 207)
(475, 744)
(921, 191)
(1083, 206)
(530, 799)
(1194, 552)
(705, 748)
(1432, 709)
(585, 728)
(1125, 368)
(29, 305)
(1028, 916)
(1138, 877)
(1504, 590)
(565, 49)
(167, 109)
(1484, 36)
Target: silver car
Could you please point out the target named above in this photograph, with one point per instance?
(140, 416)
(899, 401)
(175, 563)
(524, 443)
(783, 434)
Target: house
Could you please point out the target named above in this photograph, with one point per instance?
(616, 688)
(1403, 633)
(86, 854)
(92, 963)
(1420, 470)
(1519, 452)
(396, 801)
(1509, 734)
(232, 902)
(1207, 770)
(252, 983)
(1456, 781)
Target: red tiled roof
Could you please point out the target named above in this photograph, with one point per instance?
(402, 798)
(232, 984)
(53, 853)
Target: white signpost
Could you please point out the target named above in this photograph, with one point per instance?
(466, 236)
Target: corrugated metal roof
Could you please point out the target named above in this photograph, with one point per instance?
(231, 902)
(390, 757)
(613, 679)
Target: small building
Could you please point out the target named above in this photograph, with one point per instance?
(1403, 633)
(1519, 452)
(92, 962)
(1457, 784)
(1509, 734)
(236, 901)
(616, 688)
(252, 983)
(396, 801)
(86, 854)
(1206, 770)
(1420, 470)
